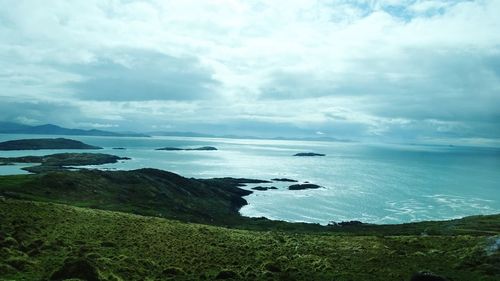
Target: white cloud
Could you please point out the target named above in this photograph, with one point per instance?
(377, 67)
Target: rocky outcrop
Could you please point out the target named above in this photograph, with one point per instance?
(303, 186)
(309, 154)
(264, 188)
(284, 180)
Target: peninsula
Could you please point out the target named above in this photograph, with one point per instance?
(38, 144)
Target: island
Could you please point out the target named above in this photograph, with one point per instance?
(203, 148)
(284, 180)
(60, 161)
(309, 154)
(302, 186)
(37, 144)
(264, 188)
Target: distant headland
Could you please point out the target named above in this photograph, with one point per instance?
(46, 143)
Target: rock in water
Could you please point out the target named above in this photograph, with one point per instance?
(283, 179)
(263, 188)
(309, 154)
(303, 186)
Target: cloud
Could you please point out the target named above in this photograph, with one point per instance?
(362, 69)
(135, 75)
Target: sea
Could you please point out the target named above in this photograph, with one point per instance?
(369, 182)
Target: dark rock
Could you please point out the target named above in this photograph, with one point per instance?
(426, 276)
(284, 179)
(77, 268)
(309, 154)
(264, 188)
(303, 186)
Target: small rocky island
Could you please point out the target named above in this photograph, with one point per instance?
(203, 148)
(284, 180)
(37, 144)
(309, 154)
(302, 186)
(264, 188)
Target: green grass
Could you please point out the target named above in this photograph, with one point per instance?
(39, 239)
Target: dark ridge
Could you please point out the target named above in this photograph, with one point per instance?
(37, 144)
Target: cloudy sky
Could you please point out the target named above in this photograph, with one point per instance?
(385, 70)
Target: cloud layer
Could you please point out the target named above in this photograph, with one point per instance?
(412, 70)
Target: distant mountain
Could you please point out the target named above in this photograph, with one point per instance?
(200, 135)
(181, 134)
(50, 129)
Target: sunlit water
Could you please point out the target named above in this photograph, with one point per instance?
(371, 183)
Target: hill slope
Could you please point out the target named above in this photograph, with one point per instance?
(45, 241)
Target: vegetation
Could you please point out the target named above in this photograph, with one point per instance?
(150, 224)
(46, 241)
(36, 144)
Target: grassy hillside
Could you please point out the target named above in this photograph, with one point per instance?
(46, 241)
(148, 192)
(152, 192)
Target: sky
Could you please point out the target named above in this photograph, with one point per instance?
(409, 70)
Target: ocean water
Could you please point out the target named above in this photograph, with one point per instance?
(376, 183)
